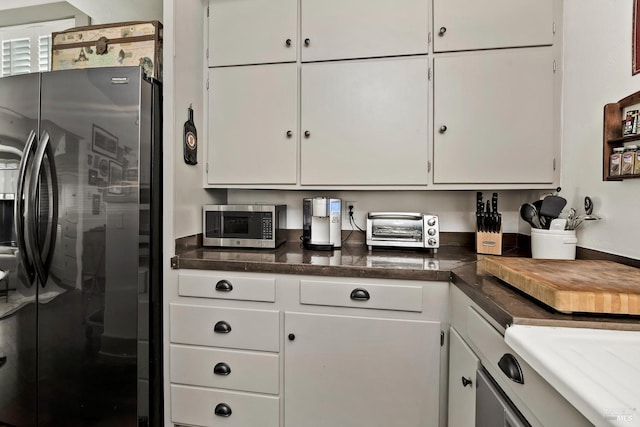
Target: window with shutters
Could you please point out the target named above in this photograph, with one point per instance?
(27, 48)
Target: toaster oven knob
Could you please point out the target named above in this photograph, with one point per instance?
(432, 241)
(432, 232)
(431, 222)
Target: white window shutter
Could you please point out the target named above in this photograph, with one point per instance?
(44, 53)
(16, 56)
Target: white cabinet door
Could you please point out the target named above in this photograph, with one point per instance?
(365, 122)
(463, 364)
(360, 372)
(338, 29)
(252, 31)
(494, 117)
(469, 24)
(253, 124)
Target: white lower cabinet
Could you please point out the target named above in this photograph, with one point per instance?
(195, 406)
(476, 341)
(318, 352)
(463, 364)
(360, 372)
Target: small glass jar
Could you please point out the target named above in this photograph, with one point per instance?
(615, 161)
(628, 160)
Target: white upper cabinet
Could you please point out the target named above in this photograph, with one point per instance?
(494, 117)
(339, 29)
(469, 25)
(252, 31)
(252, 124)
(365, 122)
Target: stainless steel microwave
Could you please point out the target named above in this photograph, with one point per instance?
(244, 226)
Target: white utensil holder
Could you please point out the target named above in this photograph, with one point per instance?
(553, 244)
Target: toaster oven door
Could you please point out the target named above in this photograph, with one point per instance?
(400, 230)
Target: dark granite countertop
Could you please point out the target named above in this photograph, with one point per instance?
(458, 264)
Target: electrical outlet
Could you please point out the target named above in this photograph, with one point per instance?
(345, 209)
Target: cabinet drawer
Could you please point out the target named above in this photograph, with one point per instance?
(225, 287)
(228, 369)
(535, 393)
(361, 295)
(198, 407)
(245, 329)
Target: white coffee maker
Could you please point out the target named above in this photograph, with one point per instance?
(321, 223)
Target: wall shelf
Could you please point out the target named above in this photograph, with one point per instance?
(612, 133)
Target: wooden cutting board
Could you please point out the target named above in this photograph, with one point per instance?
(586, 286)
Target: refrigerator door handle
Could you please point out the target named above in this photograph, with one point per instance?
(24, 251)
(43, 256)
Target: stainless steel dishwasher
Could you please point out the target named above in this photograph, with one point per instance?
(493, 407)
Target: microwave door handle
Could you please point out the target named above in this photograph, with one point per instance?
(42, 266)
(21, 210)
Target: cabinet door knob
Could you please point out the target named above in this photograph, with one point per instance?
(223, 410)
(307, 42)
(291, 337)
(288, 42)
(511, 368)
(289, 134)
(307, 134)
(442, 129)
(442, 31)
(466, 382)
(221, 369)
(222, 327)
(360, 295)
(224, 286)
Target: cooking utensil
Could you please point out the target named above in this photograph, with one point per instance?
(552, 206)
(558, 224)
(529, 213)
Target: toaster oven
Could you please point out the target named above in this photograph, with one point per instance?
(403, 229)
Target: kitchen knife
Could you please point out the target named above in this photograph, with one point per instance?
(494, 209)
(487, 217)
(479, 208)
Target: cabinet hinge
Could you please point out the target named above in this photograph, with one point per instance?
(429, 73)
(554, 28)
(428, 165)
(207, 84)
(441, 338)
(429, 38)
(207, 53)
(206, 167)
(207, 11)
(554, 163)
(554, 66)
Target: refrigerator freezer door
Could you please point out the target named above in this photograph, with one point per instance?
(19, 96)
(89, 311)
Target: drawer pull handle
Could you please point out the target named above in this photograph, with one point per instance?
(224, 286)
(222, 327)
(221, 369)
(360, 295)
(466, 382)
(223, 410)
(511, 368)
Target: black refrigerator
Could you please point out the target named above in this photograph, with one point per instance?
(80, 249)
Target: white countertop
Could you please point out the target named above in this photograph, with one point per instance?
(596, 370)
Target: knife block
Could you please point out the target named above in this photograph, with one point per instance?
(489, 243)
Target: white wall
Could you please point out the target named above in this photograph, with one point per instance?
(597, 71)
(102, 12)
(189, 88)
